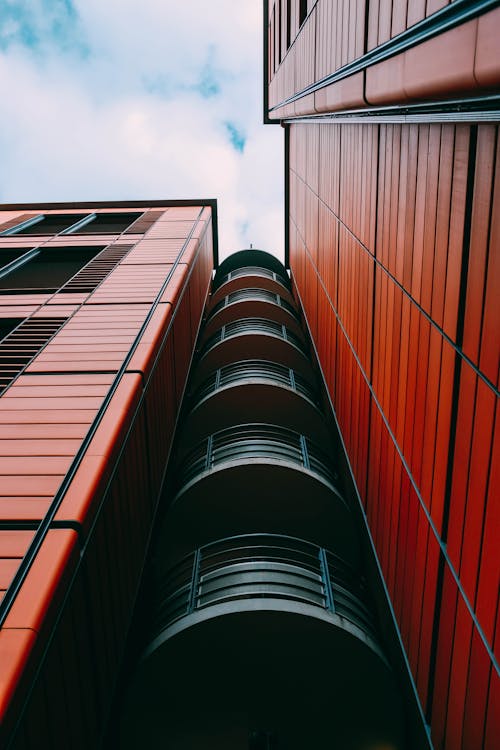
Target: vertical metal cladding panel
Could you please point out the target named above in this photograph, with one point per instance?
(421, 173)
(35, 609)
(481, 250)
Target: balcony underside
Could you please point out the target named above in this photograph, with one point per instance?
(251, 345)
(258, 495)
(254, 400)
(309, 678)
(250, 280)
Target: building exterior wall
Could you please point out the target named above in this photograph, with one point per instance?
(86, 429)
(394, 251)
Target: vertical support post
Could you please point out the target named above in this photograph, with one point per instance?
(195, 577)
(325, 575)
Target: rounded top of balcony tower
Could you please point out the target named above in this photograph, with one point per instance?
(249, 257)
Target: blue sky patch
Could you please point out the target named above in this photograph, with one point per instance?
(53, 24)
(236, 136)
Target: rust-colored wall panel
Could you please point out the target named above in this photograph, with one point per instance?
(83, 602)
(401, 297)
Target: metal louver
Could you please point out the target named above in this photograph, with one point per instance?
(144, 222)
(89, 277)
(19, 347)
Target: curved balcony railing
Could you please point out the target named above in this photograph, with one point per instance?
(254, 391)
(245, 271)
(262, 566)
(243, 303)
(256, 477)
(252, 325)
(250, 276)
(252, 338)
(256, 370)
(252, 293)
(249, 257)
(256, 441)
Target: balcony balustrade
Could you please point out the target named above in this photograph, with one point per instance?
(250, 277)
(255, 391)
(263, 632)
(252, 338)
(256, 303)
(257, 477)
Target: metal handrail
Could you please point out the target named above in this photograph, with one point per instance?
(248, 326)
(255, 369)
(255, 441)
(262, 295)
(263, 566)
(252, 271)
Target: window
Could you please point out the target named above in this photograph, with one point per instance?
(109, 223)
(9, 254)
(85, 223)
(44, 269)
(47, 224)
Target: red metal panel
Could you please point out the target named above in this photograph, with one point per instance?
(480, 458)
(476, 694)
(480, 222)
(486, 62)
(457, 217)
(448, 613)
(443, 64)
(46, 581)
(489, 571)
(489, 360)
(458, 676)
(16, 646)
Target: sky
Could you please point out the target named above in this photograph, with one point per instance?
(137, 100)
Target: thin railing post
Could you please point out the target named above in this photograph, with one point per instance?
(195, 577)
(325, 575)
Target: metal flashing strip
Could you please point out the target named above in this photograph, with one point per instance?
(474, 110)
(447, 18)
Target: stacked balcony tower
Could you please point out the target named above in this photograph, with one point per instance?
(260, 631)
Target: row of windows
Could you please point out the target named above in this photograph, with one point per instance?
(282, 14)
(29, 270)
(48, 224)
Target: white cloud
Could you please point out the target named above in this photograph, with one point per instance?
(138, 108)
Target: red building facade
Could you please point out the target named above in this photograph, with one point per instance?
(100, 306)
(393, 201)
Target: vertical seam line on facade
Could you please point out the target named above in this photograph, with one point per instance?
(425, 314)
(441, 543)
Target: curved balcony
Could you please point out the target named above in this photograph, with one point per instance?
(255, 303)
(252, 338)
(271, 633)
(249, 257)
(251, 277)
(254, 391)
(257, 477)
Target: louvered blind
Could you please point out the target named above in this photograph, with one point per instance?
(19, 347)
(142, 224)
(96, 270)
